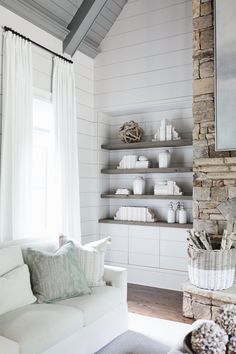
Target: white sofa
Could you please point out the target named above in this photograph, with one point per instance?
(80, 325)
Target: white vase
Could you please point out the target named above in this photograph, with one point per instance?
(177, 212)
(164, 159)
(182, 215)
(171, 214)
(139, 185)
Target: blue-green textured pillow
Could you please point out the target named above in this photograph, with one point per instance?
(56, 276)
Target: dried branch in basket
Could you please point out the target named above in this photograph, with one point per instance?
(204, 240)
(199, 240)
(193, 240)
(231, 242)
(224, 240)
(131, 132)
(228, 240)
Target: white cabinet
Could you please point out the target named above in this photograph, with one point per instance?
(149, 247)
(144, 246)
(173, 249)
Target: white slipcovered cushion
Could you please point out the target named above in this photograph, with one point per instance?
(10, 258)
(91, 259)
(37, 327)
(102, 300)
(7, 346)
(15, 289)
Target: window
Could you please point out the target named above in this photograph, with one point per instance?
(42, 166)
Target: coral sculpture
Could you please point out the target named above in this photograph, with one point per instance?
(131, 132)
(209, 338)
(227, 319)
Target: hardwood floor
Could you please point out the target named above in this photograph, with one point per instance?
(154, 302)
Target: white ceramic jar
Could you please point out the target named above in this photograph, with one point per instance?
(164, 159)
(139, 185)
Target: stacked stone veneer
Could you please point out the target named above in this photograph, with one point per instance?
(205, 304)
(214, 172)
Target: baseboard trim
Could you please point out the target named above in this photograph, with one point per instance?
(157, 278)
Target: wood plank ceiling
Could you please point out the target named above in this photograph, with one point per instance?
(80, 24)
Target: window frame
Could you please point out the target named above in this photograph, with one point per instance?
(44, 96)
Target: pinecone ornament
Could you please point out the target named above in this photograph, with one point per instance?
(227, 319)
(209, 338)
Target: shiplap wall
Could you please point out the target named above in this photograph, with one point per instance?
(144, 73)
(146, 56)
(87, 127)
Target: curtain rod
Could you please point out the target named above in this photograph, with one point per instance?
(37, 44)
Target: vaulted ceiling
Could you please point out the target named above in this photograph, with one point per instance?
(80, 24)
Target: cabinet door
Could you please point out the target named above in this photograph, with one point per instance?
(116, 257)
(144, 246)
(173, 249)
(117, 251)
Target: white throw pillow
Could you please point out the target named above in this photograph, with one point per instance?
(15, 289)
(91, 259)
(10, 258)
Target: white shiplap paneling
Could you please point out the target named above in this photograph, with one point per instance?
(146, 57)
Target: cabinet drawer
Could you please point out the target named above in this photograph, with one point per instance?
(174, 263)
(173, 249)
(144, 232)
(173, 234)
(148, 246)
(114, 230)
(116, 257)
(119, 244)
(145, 260)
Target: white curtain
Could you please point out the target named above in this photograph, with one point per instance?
(67, 169)
(16, 146)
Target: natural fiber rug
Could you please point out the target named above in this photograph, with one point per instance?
(147, 335)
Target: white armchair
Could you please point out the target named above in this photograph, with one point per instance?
(117, 277)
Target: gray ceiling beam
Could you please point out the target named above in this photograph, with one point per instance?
(81, 23)
(27, 10)
(88, 49)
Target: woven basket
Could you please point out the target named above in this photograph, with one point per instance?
(212, 270)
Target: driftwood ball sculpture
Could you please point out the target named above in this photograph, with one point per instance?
(232, 343)
(209, 338)
(131, 132)
(226, 319)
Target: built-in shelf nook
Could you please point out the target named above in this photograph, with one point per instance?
(154, 252)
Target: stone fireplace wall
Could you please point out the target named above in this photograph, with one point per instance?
(214, 172)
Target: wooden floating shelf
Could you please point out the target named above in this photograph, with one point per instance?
(148, 144)
(140, 223)
(146, 196)
(119, 171)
